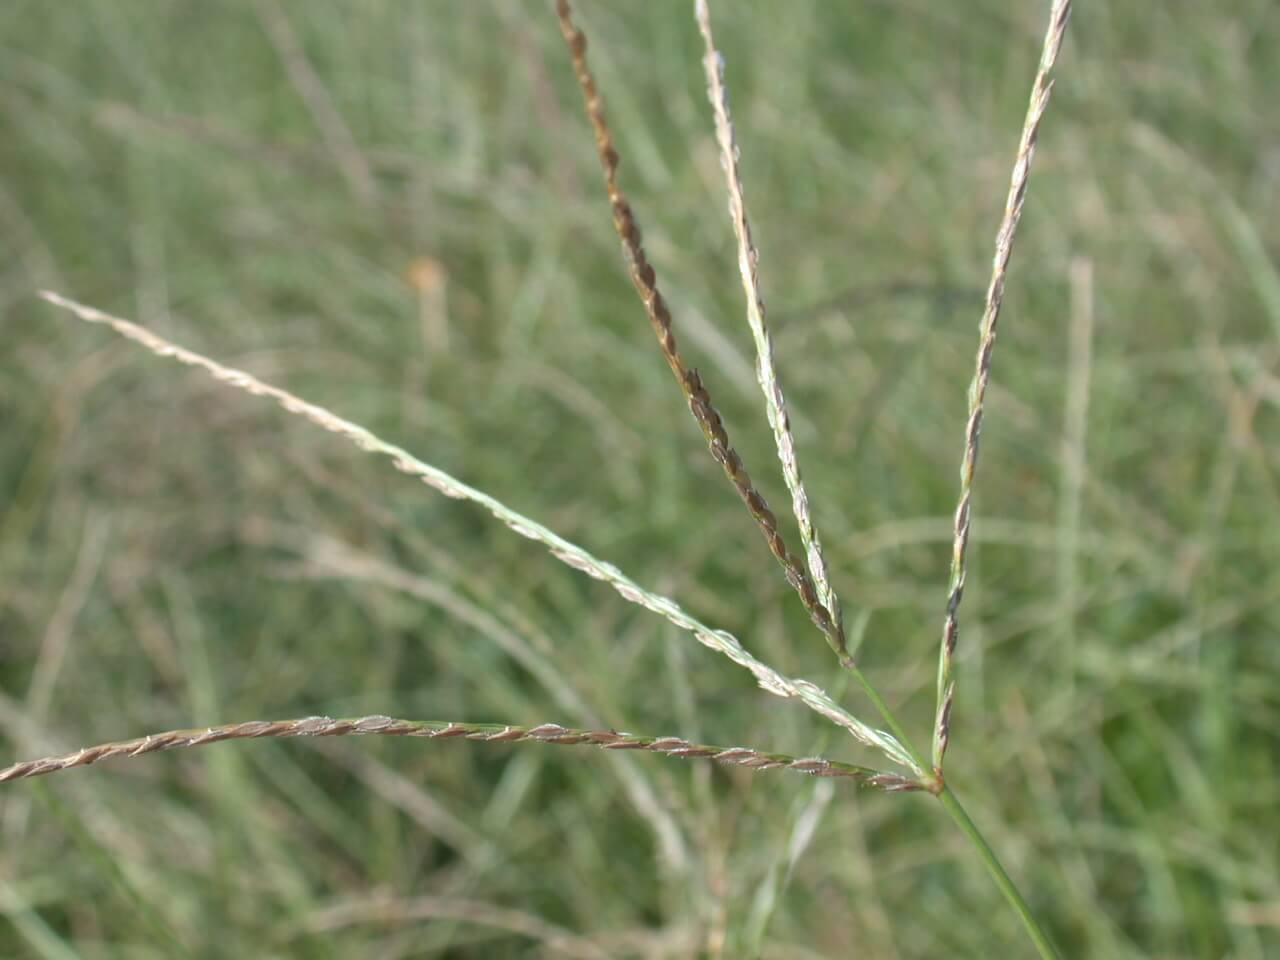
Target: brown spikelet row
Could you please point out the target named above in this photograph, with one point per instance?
(813, 585)
(644, 278)
(1040, 91)
(443, 730)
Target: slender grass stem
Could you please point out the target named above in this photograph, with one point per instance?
(927, 781)
(946, 796)
(951, 804)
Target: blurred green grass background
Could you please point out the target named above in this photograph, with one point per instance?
(394, 209)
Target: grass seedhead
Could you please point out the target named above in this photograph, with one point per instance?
(809, 575)
(1040, 90)
(645, 280)
(551, 733)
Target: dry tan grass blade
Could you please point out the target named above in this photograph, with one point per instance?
(1040, 91)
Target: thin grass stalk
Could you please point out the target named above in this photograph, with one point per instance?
(569, 553)
(766, 374)
(551, 733)
(1040, 90)
(695, 392)
(951, 803)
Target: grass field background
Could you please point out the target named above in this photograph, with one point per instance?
(394, 209)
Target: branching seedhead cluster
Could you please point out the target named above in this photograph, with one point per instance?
(809, 575)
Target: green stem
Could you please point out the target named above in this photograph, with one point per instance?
(926, 779)
(947, 798)
(1006, 885)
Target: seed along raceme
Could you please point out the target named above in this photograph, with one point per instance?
(808, 572)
